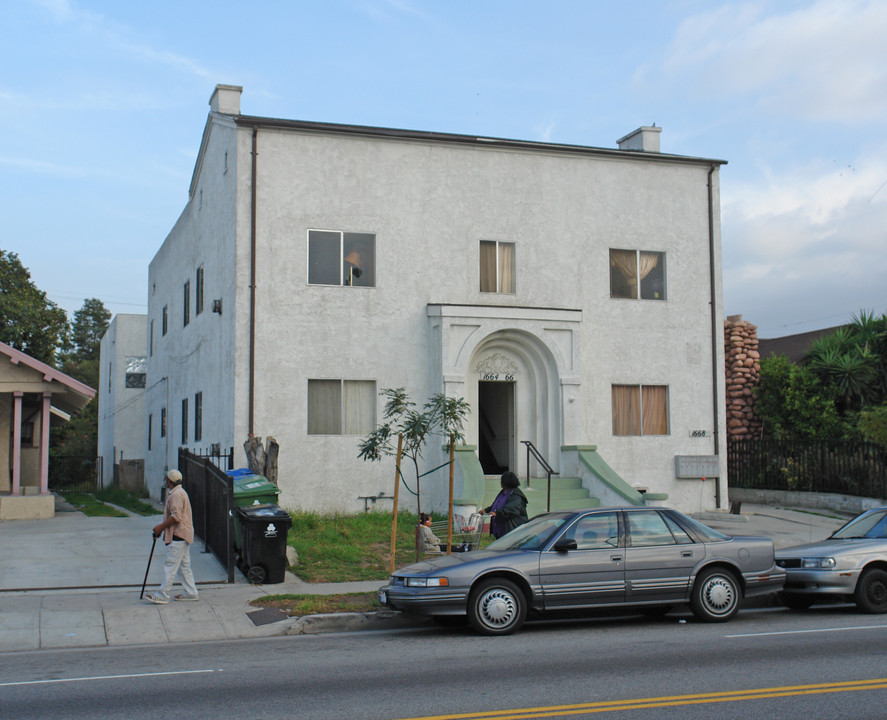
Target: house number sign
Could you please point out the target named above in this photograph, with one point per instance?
(497, 368)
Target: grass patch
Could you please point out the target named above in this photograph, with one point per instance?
(89, 505)
(125, 499)
(344, 548)
(299, 605)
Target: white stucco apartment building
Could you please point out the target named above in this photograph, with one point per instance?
(572, 295)
(121, 393)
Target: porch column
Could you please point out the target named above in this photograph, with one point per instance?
(17, 443)
(44, 444)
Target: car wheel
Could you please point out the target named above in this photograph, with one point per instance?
(716, 596)
(496, 607)
(795, 602)
(871, 591)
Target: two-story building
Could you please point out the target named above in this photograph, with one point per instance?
(571, 294)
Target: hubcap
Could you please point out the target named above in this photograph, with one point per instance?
(719, 595)
(497, 607)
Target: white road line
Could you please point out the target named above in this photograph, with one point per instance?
(802, 632)
(105, 677)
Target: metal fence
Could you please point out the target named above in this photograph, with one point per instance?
(849, 468)
(211, 492)
(74, 473)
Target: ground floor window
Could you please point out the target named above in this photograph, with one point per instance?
(341, 407)
(640, 410)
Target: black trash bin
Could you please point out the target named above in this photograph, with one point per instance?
(263, 542)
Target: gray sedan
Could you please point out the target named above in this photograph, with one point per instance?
(851, 564)
(646, 558)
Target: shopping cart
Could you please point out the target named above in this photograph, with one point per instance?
(466, 532)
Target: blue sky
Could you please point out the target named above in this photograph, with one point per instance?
(102, 106)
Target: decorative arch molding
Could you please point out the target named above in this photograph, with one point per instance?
(536, 348)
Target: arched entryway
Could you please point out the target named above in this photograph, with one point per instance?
(512, 384)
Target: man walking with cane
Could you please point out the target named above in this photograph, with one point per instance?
(178, 534)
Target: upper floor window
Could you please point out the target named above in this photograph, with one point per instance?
(151, 339)
(198, 291)
(341, 407)
(186, 304)
(637, 273)
(341, 258)
(640, 410)
(136, 370)
(496, 266)
(163, 422)
(164, 320)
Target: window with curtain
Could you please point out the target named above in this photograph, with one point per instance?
(341, 407)
(341, 258)
(637, 274)
(640, 409)
(496, 266)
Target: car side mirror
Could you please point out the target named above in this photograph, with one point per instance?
(565, 544)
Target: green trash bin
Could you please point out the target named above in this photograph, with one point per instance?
(250, 489)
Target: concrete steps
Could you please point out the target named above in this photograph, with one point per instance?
(566, 494)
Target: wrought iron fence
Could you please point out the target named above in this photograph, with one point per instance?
(74, 473)
(849, 468)
(211, 492)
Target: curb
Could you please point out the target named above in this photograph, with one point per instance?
(355, 622)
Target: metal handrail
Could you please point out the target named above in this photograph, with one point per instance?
(548, 469)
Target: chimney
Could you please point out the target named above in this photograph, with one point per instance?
(226, 99)
(645, 139)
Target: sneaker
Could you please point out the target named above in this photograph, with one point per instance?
(186, 598)
(156, 598)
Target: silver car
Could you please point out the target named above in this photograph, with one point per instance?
(646, 558)
(851, 564)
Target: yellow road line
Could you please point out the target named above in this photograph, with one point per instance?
(667, 701)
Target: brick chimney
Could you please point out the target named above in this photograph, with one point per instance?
(645, 139)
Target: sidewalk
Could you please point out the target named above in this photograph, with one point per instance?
(73, 548)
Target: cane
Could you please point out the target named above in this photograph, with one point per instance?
(142, 594)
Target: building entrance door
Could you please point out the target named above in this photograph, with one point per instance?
(496, 432)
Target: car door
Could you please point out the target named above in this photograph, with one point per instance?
(593, 573)
(659, 557)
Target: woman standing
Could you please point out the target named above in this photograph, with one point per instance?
(509, 509)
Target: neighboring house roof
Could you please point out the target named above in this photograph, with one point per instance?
(795, 347)
(68, 395)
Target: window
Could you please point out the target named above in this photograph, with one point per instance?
(186, 304)
(341, 258)
(185, 421)
(595, 532)
(151, 340)
(110, 375)
(136, 368)
(628, 266)
(496, 266)
(198, 291)
(198, 417)
(640, 410)
(341, 407)
(650, 528)
(164, 320)
(150, 426)
(163, 422)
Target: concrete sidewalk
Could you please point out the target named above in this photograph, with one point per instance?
(79, 549)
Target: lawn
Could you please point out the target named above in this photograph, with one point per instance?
(94, 504)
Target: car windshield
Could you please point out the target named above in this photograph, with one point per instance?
(868, 525)
(703, 531)
(532, 535)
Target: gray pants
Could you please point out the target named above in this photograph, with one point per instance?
(178, 561)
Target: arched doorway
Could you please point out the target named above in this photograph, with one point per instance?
(512, 383)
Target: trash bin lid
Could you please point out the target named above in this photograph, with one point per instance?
(265, 511)
(247, 486)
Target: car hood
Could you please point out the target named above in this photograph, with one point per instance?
(456, 559)
(833, 547)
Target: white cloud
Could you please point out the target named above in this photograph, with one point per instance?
(826, 61)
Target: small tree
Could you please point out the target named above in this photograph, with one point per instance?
(441, 416)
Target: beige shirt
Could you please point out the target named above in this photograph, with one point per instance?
(178, 506)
